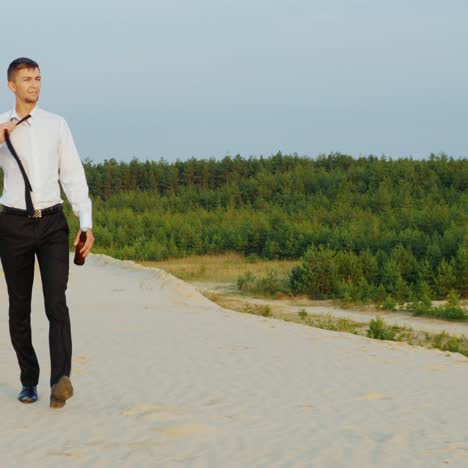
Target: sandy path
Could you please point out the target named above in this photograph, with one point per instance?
(404, 319)
(163, 377)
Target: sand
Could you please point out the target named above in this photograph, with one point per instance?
(164, 377)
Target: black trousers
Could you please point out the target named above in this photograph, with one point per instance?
(21, 240)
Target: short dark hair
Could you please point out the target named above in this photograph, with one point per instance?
(19, 64)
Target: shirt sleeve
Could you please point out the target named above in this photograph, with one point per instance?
(73, 179)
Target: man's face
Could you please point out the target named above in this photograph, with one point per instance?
(26, 84)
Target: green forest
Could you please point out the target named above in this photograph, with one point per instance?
(363, 228)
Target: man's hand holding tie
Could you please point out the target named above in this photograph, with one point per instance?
(9, 127)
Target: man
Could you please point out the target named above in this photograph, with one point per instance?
(44, 145)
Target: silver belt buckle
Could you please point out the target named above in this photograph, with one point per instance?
(37, 214)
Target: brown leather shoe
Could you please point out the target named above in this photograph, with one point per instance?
(60, 392)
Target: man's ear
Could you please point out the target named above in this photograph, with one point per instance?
(12, 86)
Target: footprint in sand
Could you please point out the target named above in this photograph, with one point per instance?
(79, 364)
(448, 449)
(159, 412)
(375, 397)
(59, 453)
(184, 430)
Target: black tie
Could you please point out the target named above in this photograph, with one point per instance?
(27, 185)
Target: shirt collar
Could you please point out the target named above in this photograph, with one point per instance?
(14, 115)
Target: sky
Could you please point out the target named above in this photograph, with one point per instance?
(177, 79)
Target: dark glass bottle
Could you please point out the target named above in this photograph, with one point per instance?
(79, 259)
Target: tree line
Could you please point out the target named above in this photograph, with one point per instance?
(359, 224)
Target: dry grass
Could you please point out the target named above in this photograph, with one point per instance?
(442, 341)
(272, 309)
(225, 267)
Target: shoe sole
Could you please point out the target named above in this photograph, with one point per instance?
(27, 401)
(61, 391)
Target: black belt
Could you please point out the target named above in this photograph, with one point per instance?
(37, 213)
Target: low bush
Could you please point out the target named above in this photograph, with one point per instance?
(445, 342)
(254, 309)
(302, 314)
(270, 285)
(379, 330)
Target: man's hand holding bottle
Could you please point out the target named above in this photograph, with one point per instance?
(84, 240)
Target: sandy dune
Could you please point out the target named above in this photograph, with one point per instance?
(163, 377)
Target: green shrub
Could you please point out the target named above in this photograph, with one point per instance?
(256, 309)
(270, 284)
(379, 330)
(328, 322)
(252, 258)
(302, 314)
(424, 293)
(450, 311)
(453, 299)
(445, 342)
(388, 304)
(246, 282)
(318, 275)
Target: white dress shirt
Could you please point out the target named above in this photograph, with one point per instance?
(46, 148)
